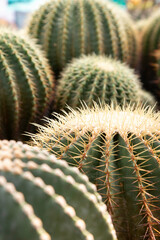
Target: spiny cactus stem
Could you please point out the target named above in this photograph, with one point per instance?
(142, 191)
(98, 25)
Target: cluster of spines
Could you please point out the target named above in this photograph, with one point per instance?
(99, 79)
(26, 84)
(83, 27)
(119, 152)
(37, 190)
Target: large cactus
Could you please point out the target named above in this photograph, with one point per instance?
(94, 78)
(42, 198)
(119, 152)
(26, 84)
(69, 28)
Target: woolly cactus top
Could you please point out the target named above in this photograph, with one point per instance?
(94, 78)
(109, 120)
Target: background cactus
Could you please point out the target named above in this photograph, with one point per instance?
(94, 78)
(150, 43)
(147, 99)
(119, 152)
(34, 203)
(26, 84)
(83, 27)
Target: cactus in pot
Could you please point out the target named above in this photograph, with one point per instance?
(118, 149)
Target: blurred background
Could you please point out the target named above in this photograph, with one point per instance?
(15, 12)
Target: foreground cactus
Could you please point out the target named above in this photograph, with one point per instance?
(119, 151)
(42, 198)
(94, 78)
(68, 28)
(26, 84)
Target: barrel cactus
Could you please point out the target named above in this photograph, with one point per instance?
(147, 99)
(68, 28)
(119, 150)
(34, 203)
(150, 43)
(26, 84)
(96, 78)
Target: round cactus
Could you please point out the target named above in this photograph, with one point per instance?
(26, 84)
(118, 149)
(147, 99)
(42, 198)
(68, 28)
(94, 78)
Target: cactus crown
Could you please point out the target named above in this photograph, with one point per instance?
(33, 195)
(26, 83)
(83, 27)
(94, 78)
(118, 149)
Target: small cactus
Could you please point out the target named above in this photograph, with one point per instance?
(147, 99)
(26, 84)
(69, 28)
(118, 149)
(94, 78)
(42, 198)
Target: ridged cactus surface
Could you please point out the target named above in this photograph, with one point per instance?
(150, 43)
(119, 150)
(42, 198)
(68, 28)
(26, 84)
(99, 79)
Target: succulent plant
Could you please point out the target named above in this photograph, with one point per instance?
(119, 150)
(150, 43)
(66, 29)
(26, 84)
(42, 198)
(147, 99)
(96, 78)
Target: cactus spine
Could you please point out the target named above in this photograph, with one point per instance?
(68, 28)
(118, 149)
(94, 78)
(34, 203)
(26, 84)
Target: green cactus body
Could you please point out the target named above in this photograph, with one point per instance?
(68, 28)
(26, 84)
(150, 43)
(118, 149)
(42, 198)
(147, 99)
(96, 78)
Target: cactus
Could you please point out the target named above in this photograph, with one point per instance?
(26, 84)
(69, 28)
(42, 198)
(147, 99)
(118, 149)
(94, 78)
(150, 43)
